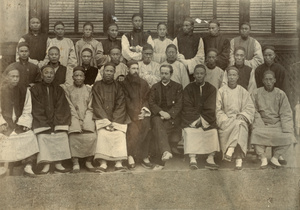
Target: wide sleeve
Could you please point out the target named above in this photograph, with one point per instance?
(258, 58)
(257, 117)
(177, 107)
(97, 103)
(38, 77)
(75, 119)
(127, 53)
(220, 114)
(150, 41)
(223, 56)
(88, 122)
(185, 80)
(252, 84)
(72, 60)
(99, 54)
(285, 114)
(119, 114)
(231, 55)
(154, 108)
(248, 109)
(190, 112)
(209, 107)
(45, 61)
(99, 75)
(26, 118)
(62, 113)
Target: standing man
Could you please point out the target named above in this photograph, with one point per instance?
(253, 53)
(190, 46)
(133, 42)
(219, 42)
(37, 41)
(137, 92)
(165, 104)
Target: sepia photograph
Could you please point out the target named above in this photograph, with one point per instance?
(149, 104)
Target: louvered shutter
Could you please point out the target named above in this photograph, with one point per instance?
(124, 9)
(62, 11)
(90, 10)
(285, 16)
(261, 16)
(202, 9)
(154, 12)
(228, 15)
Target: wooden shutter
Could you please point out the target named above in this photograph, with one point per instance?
(154, 12)
(90, 10)
(62, 11)
(285, 16)
(261, 16)
(124, 9)
(202, 9)
(228, 15)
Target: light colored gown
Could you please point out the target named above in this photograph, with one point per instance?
(149, 72)
(159, 54)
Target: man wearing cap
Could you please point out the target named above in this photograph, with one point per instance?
(234, 112)
(66, 47)
(17, 141)
(253, 52)
(216, 40)
(136, 91)
(269, 64)
(273, 123)
(148, 69)
(109, 113)
(190, 47)
(180, 74)
(37, 41)
(133, 42)
(29, 73)
(82, 132)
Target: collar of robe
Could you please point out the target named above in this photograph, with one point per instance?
(112, 39)
(108, 82)
(137, 30)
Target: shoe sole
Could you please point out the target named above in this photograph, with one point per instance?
(212, 167)
(147, 167)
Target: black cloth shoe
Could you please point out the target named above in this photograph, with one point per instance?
(147, 165)
(211, 166)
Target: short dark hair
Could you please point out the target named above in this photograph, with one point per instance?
(88, 50)
(112, 24)
(47, 66)
(54, 47)
(239, 48)
(269, 72)
(137, 15)
(88, 24)
(245, 23)
(171, 46)
(215, 21)
(189, 19)
(161, 23)
(168, 66)
(131, 62)
(147, 47)
(200, 66)
(110, 64)
(212, 50)
(23, 44)
(58, 23)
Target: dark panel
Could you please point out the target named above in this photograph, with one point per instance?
(182, 10)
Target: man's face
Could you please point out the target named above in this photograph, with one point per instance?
(13, 78)
(137, 22)
(54, 56)
(187, 27)
(171, 54)
(86, 57)
(134, 70)
(35, 24)
(269, 81)
(108, 73)
(78, 77)
(239, 57)
(245, 31)
(162, 31)
(213, 29)
(269, 56)
(87, 31)
(115, 55)
(199, 75)
(147, 56)
(113, 31)
(23, 53)
(211, 59)
(165, 74)
(48, 75)
(233, 77)
(59, 31)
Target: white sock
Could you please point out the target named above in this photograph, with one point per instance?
(193, 158)
(118, 163)
(89, 164)
(130, 160)
(264, 161)
(59, 166)
(275, 161)
(103, 164)
(210, 158)
(281, 158)
(28, 169)
(238, 162)
(230, 151)
(46, 167)
(146, 160)
(75, 161)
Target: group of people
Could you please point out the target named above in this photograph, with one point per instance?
(136, 98)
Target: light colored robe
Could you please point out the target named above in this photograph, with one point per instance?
(230, 104)
(273, 123)
(159, 54)
(214, 76)
(149, 72)
(180, 74)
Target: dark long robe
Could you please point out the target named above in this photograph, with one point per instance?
(50, 108)
(276, 68)
(90, 74)
(244, 76)
(222, 44)
(195, 105)
(60, 75)
(37, 45)
(109, 43)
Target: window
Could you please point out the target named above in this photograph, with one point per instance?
(261, 16)
(202, 9)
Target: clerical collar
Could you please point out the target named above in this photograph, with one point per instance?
(165, 84)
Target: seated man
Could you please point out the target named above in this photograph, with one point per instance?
(214, 74)
(17, 141)
(109, 109)
(51, 120)
(165, 104)
(148, 69)
(199, 119)
(29, 72)
(273, 122)
(60, 70)
(137, 92)
(235, 111)
(82, 133)
(180, 74)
